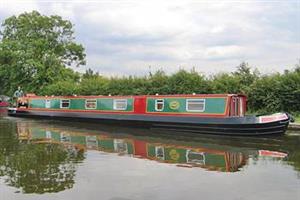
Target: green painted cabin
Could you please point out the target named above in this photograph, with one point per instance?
(152, 104)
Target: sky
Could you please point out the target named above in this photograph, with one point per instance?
(131, 37)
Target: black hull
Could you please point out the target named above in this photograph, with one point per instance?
(241, 126)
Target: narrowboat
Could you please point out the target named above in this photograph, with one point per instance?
(3, 101)
(3, 104)
(217, 114)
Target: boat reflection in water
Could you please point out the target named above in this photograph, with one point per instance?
(182, 153)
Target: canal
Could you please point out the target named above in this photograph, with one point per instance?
(48, 159)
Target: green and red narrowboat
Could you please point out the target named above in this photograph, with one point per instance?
(222, 114)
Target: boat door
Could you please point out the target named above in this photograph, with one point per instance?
(237, 107)
(234, 107)
(140, 104)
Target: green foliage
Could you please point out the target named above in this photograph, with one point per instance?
(61, 88)
(276, 92)
(225, 83)
(35, 50)
(157, 83)
(236, 82)
(184, 82)
(93, 84)
(297, 119)
(127, 86)
(245, 75)
(264, 94)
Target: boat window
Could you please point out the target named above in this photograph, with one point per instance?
(160, 152)
(65, 137)
(120, 104)
(195, 105)
(120, 146)
(47, 103)
(195, 157)
(48, 134)
(65, 103)
(90, 104)
(91, 141)
(159, 104)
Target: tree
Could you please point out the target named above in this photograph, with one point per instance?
(225, 83)
(61, 88)
(184, 82)
(245, 74)
(158, 83)
(92, 83)
(35, 51)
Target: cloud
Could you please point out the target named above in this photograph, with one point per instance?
(224, 52)
(126, 37)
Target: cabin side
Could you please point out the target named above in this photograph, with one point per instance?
(200, 105)
(188, 105)
(104, 104)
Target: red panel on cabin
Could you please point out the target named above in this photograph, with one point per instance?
(140, 104)
(140, 148)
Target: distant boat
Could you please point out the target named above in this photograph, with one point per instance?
(4, 101)
(215, 114)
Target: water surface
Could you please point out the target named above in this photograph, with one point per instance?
(46, 159)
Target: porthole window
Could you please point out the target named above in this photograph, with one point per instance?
(65, 103)
(90, 104)
(160, 152)
(159, 104)
(47, 103)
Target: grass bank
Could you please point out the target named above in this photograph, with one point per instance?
(297, 119)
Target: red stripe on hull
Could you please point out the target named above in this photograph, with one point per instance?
(123, 112)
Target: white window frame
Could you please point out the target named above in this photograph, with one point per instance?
(91, 100)
(156, 103)
(199, 162)
(156, 152)
(47, 103)
(187, 105)
(48, 134)
(115, 104)
(121, 142)
(65, 100)
(65, 137)
(91, 141)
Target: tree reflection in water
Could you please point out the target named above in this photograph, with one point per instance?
(37, 166)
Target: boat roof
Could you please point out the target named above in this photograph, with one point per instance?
(132, 96)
